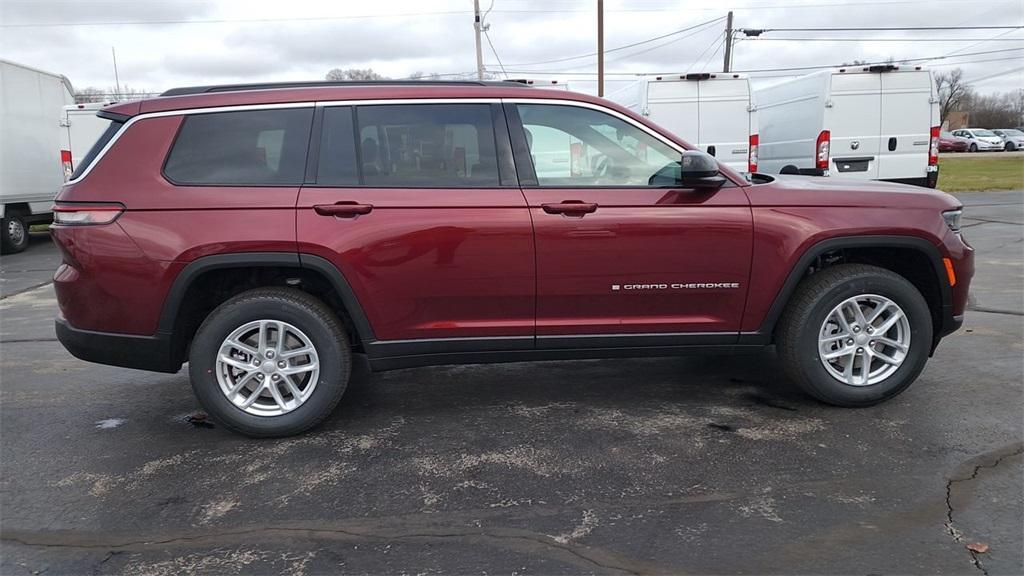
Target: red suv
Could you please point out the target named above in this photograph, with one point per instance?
(265, 233)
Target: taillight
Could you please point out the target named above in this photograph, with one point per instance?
(752, 154)
(86, 214)
(65, 159)
(933, 147)
(821, 148)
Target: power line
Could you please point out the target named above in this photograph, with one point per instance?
(616, 49)
(705, 50)
(993, 75)
(889, 28)
(979, 40)
(713, 54)
(233, 20)
(792, 69)
(645, 50)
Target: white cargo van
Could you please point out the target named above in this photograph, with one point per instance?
(715, 112)
(867, 123)
(80, 128)
(31, 173)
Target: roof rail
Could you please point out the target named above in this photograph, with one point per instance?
(332, 83)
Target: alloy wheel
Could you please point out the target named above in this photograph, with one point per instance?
(864, 340)
(267, 367)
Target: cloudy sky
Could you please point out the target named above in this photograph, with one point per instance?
(166, 43)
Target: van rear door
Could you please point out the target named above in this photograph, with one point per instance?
(906, 118)
(724, 120)
(853, 119)
(673, 104)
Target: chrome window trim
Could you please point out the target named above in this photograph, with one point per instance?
(185, 112)
(369, 102)
(599, 108)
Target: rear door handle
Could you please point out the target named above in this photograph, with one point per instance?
(343, 209)
(570, 207)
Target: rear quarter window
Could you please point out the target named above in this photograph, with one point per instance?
(245, 148)
(113, 128)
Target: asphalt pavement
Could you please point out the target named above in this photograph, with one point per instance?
(680, 465)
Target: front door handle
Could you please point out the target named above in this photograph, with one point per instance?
(570, 208)
(343, 209)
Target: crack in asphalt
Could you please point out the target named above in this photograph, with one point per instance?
(995, 310)
(110, 554)
(27, 289)
(981, 221)
(25, 340)
(954, 532)
(587, 554)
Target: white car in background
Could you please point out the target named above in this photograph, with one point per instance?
(1013, 139)
(980, 139)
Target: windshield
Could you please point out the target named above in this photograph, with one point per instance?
(946, 135)
(984, 133)
(1012, 132)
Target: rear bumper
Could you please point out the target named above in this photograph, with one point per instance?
(152, 353)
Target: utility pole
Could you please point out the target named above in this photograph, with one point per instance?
(728, 43)
(600, 47)
(117, 81)
(477, 25)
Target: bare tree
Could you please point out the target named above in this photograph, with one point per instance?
(89, 94)
(1001, 110)
(341, 75)
(111, 94)
(953, 92)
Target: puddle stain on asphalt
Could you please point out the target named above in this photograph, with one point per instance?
(110, 423)
(638, 448)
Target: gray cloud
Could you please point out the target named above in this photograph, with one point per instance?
(523, 31)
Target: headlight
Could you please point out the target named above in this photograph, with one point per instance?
(952, 218)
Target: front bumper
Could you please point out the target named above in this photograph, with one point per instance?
(152, 353)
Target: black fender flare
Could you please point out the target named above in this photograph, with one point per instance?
(199, 266)
(763, 334)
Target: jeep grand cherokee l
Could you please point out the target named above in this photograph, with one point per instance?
(264, 234)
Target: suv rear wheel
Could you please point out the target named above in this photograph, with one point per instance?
(270, 362)
(855, 335)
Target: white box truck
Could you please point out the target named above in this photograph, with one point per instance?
(31, 171)
(80, 128)
(715, 112)
(866, 123)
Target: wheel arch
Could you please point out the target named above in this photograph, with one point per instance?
(859, 249)
(229, 274)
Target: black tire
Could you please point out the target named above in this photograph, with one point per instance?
(973, 148)
(302, 311)
(796, 336)
(13, 233)
(1010, 147)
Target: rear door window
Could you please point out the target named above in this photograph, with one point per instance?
(427, 146)
(245, 148)
(337, 163)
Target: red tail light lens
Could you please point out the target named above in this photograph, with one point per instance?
(752, 154)
(933, 147)
(821, 150)
(65, 159)
(86, 214)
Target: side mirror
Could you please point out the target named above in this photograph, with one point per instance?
(699, 170)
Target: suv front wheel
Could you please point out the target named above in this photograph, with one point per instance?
(270, 362)
(855, 335)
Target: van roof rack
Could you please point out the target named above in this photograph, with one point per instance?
(332, 83)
